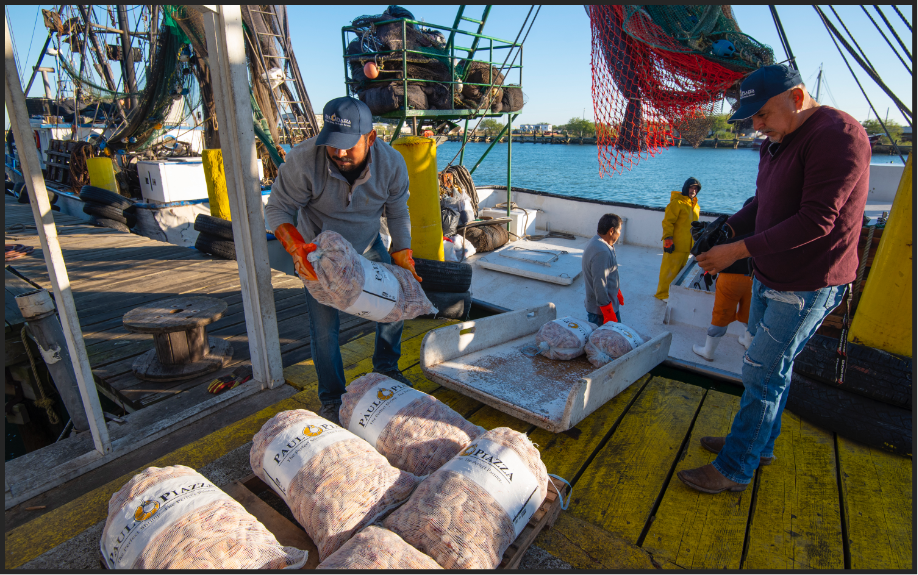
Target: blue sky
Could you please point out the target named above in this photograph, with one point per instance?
(557, 77)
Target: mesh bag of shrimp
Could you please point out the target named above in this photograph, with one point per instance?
(377, 548)
(413, 430)
(175, 518)
(610, 341)
(468, 512)
(563, 338)
(334, 482)
(351, 283)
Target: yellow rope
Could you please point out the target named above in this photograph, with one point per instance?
(45, 401)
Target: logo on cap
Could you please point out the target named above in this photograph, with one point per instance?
(746, 93)
(334, 119)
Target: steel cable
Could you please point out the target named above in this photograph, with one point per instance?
(909, 26)
(893, 30)
(880, 30)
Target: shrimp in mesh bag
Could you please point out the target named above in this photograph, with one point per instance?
(467, 513)
(175, 518)
(351, 283)
(610, 341)
(334, 482)
(414, 431)
(563, 338)
(377, 548)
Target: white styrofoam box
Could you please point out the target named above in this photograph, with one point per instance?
(521, 224)
(177, 180)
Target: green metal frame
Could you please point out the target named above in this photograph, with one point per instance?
(404, 113)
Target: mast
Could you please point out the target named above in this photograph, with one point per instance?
(127, 55)
(818, 82)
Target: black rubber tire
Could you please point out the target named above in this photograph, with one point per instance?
(109, 212)
(871, 372)
(851, 416)
(103, 196)
(106, 223)
(22, 195)
(217, 247)
(443, 277)
(9, 185)
(215, 227)
(450, 305)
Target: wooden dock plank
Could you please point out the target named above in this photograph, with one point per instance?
(879, 506)
(490, 418)
(566, 454)
(619, 488)
(796, 521)
(585, 546)
(461, 404)
(694, 530)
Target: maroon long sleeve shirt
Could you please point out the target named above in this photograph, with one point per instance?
(809, 204)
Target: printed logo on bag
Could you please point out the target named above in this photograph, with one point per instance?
(378, 406)
(489, 458)
(383, 394)
(312, 430)
(292, 449)
(379, 294)
(159, 508)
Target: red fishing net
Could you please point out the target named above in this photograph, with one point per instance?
(656, 69)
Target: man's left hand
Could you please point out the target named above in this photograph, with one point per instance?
(403, 259)
(720, 257)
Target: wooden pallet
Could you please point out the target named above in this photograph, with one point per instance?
(288, 533)
(58, 163)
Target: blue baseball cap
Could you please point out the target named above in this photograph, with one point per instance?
(763, 85)
(346, 119)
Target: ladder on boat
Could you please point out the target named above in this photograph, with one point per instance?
(284, 83)
(470, 52)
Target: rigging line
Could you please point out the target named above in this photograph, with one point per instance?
(883, 34)
(829, 90)
(893, 30)
(783, 36)
(873, 76)
(831, 29)
(850, 35)
(13, 42)
(520, 33)
(902, 16)
(34, 26)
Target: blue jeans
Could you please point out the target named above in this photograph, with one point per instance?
(781, 323)
(597, 319)
(324, 323)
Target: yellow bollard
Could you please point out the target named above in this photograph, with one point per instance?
(883, 319)
(424, 202)
(216, 184)
(102, 173)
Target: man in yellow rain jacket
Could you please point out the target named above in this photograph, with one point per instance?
(677, 233)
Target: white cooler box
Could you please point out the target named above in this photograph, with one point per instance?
(177, 180)
(521, 224)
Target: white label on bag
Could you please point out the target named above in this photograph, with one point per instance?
(633, 338)
(295, 446)
(378, 406)
(503, 474)
(579, 328)
(150, 513)
(379, 294)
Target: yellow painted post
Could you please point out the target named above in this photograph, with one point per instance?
(424, 202)
(216, 184)
(102, 173)
(884, 314)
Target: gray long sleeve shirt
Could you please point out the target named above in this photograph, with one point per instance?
(309, 184)
(600, 276)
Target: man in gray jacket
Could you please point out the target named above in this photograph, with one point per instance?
(343, 180)
(600, 272)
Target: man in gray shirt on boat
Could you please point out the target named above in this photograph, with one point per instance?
(600, 272)
(343, 180)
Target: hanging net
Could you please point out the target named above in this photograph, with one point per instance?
(660, 69)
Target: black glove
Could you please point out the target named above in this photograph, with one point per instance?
(713, 234)
(697, 228)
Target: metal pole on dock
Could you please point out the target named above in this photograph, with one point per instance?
(226, 53)
(51, 248)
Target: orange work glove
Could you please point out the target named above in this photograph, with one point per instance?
(621, 298)
(297, 247)
(668, 245)
(608, 314)
(403, 259)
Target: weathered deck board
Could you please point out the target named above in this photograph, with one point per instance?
(490, 418)
(796, 522)
(619, 488)
(877, 497)
(565, 454)
(585, 546)
(695, 530)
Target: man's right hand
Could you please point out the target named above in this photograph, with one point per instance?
(297, 247)
(668, 245)
(608, 313)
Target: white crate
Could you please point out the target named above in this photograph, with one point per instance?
(181, 179)
(522, 223)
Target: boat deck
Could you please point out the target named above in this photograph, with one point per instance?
(826, 503)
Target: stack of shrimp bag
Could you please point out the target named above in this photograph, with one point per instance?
(414, 431)
(610, 341)
(175, 518)
(334, 483)
(563, 338)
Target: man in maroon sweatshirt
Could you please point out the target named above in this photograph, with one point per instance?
(805, 222)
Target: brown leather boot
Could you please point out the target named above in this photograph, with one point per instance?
(708, 480)
(715, 444)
